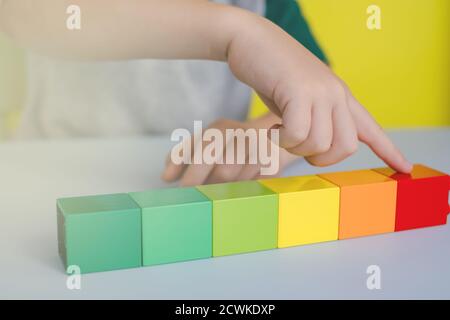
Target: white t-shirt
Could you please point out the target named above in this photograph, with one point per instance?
(73, 99)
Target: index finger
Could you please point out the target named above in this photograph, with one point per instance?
(370, 133)
(173, 171)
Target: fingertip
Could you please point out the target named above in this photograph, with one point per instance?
(171, 173)
(406, 167)
(400, 164)
(167, 176)
(188, 183)
(190, 178)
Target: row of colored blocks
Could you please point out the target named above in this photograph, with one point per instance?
(107, 232)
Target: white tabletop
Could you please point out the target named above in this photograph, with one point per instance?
(413, 264)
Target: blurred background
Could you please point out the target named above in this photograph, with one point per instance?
(12, 86)
(400, 73)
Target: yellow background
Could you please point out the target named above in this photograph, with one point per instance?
(401, 72)
(12, 85)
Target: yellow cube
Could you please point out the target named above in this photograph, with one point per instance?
(308, 210)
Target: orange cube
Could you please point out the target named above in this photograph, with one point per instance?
(367, 202)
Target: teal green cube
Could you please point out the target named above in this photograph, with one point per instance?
(99, 233)
(245, 217)
(176, 225)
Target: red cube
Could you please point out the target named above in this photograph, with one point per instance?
(422, 197)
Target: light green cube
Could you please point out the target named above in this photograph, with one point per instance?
(176, 225)
(245, 217)
(99, 233)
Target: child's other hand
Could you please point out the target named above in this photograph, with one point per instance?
(197, 174)
(321, 119)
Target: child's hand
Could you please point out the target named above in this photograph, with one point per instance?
(197, 174)
(321, 119)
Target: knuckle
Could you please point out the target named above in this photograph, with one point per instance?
(299, 135)
(353, 147)
(350, 148)
(343, 85)
(330, 84)
(313, 89)
(327, 88)
(338, 90)
(321, 89)
(321, 146)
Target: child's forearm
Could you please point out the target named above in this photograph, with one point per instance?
(124, 29)
(155, 29)
(320, 117)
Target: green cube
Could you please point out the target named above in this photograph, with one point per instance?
(176, 225)
(100, 233)
(245, 217)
